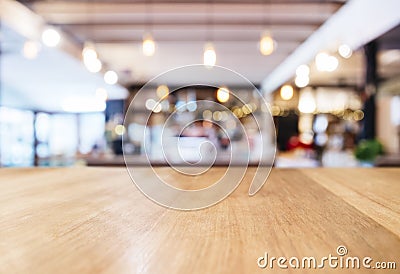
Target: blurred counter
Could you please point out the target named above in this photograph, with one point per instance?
(142, 160)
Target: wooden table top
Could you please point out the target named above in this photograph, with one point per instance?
(94, 220)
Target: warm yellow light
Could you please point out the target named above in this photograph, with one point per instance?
(150, 104)
(345, 51)
(153, 105)
(162, 91)
(302, 81)
(93, 65)
(238, 112)
(90, 58)
(306, 138)
(275, 110)
(267, 45)
(223, 94)
(303, 70)
(307, 102)
(157, 108)
(358, 115)
(209, 56)
(207, 114)
(287, 92)
(149, 46)
(326, 62)
(119, 130)
(246, 109)
(217, 115)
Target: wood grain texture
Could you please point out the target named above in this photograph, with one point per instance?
(94, 220)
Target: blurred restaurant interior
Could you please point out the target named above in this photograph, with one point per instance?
(329, 70)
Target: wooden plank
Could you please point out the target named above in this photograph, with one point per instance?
(376, 194)
(94, 220)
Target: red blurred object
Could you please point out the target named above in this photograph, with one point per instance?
(294, 142)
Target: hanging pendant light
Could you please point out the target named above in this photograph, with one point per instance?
(149, 46)
(267, 44)
(90, 58)
(209, 55)
(89, 53)
(286, 92)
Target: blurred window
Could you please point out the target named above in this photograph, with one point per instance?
(16, 137)
(63, 137)
(91, 131)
